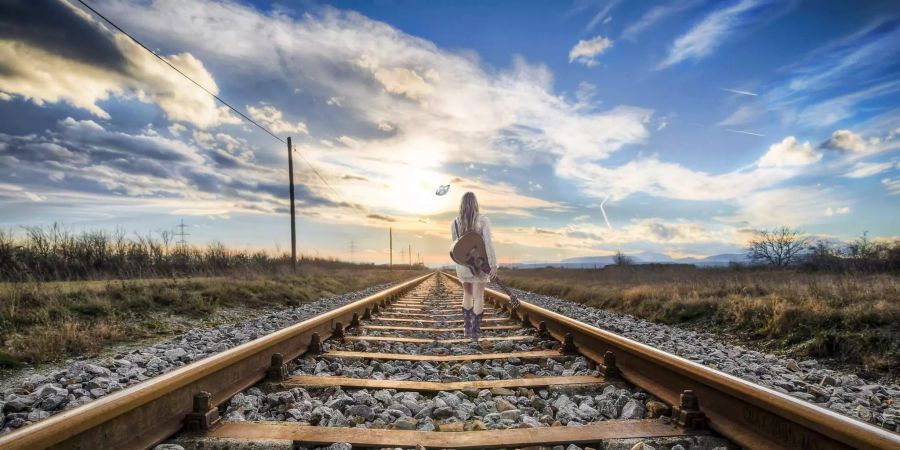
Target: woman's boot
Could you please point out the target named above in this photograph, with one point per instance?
(476, 326)
(468, 317)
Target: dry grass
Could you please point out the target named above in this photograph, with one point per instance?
(850, 318)
(41, 322)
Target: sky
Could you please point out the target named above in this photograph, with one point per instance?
(584, 127)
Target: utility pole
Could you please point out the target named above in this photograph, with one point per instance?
(181, 234)
(352, 249)
(293, 219)
(409, 256)
(402, 254)
(391, 244)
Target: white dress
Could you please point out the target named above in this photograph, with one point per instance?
(483, 226)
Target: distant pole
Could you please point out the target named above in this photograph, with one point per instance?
(391, 244)
(181, 234)
(409, 256)
(293, 219)
(352, 249)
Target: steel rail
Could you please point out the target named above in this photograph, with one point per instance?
(752, 416)
(149, 412)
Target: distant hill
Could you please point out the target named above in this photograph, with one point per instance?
(588, 262)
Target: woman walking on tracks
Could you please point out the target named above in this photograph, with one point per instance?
(474, 280)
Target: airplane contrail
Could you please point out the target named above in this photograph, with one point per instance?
(735, 91)
(745, 132)
(605, 219)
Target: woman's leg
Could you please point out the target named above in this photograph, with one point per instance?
(477, 308)
(468, 302)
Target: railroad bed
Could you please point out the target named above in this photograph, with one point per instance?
(394, 371)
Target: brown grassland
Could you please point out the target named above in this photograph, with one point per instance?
(49, 321)
(847, 319)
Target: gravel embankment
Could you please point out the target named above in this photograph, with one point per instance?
(455, 410)
(807, 380)
(44, 394)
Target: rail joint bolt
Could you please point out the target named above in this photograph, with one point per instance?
(543, 331)
(569, 344)
(278, 370)
(203, 416)
(609, 365)
(687, 414)
(315, 344)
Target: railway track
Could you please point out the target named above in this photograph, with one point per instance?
(393, 370)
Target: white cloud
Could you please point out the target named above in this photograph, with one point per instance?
(837, 211)
(793, 207)
(849, 141)
(892, 185)
(403, 81)
(654, 15)
(586, 51)
(43, 76)
(440, 109)
(348, 141)
(790, 152)
(18, 193)
(273, 119)
(865, 169)
(706, 36)
(176, 129)
(589, 237)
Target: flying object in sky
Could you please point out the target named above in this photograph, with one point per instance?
(442, 190)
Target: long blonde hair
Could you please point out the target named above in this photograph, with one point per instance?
(468, 213)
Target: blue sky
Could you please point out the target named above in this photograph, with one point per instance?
(693, 123)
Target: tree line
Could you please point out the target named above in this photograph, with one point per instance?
(787, 247)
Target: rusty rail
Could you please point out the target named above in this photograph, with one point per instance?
(750, 415)
(147, 413)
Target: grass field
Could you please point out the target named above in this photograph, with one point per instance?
(48, 321)
(851, 319)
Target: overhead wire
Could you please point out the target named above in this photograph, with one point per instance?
(222, 101)
(215, 96)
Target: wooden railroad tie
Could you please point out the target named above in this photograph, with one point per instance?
(519, 437)
(443, 358)
(313, 381)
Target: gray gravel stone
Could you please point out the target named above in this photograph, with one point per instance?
(842, 392)
(47, 393)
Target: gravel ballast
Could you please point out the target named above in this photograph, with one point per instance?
(43, 394)
(806, 380)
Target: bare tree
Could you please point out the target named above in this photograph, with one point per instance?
(779, 247)
(862, 248)
(621, 259)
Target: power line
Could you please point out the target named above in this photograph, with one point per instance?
(179, 71)
(136, 41)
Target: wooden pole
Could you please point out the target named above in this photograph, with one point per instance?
(391, 243)
(293, 218)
